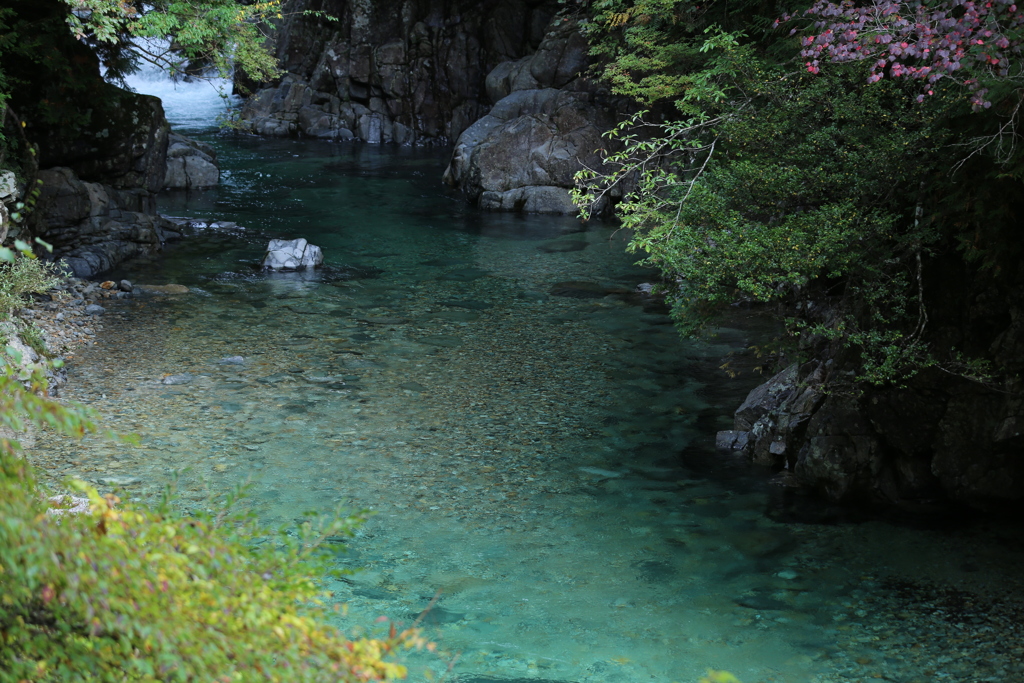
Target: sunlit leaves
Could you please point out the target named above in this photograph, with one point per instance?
(130, 593)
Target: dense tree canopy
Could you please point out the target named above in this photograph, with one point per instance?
(775, 164)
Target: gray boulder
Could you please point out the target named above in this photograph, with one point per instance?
(8, 193)
(558, 61)
(410, 73)
(292, 255)
(8, 186)
(523, 155)
(94, 226)
(191, 164)
(775, 415)
(546, 124)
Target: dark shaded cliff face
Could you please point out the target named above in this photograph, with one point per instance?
(99, 151)
(105, 134)
(408, 72)
(940, 437)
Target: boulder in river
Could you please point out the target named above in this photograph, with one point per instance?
(191, 164)
(292, 255)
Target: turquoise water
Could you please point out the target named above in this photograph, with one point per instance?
(530, 434)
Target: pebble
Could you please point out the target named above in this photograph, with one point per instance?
(94, 309)
(183, 378)
(495, 448)
(119, 481)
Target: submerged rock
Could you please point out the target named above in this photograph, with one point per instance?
(163, 289)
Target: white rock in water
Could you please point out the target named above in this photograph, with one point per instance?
(292, 255)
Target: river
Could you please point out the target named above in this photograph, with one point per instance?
(531, 436)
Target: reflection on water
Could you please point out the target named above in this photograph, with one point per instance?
(531, 434)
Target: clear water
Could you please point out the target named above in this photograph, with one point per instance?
(535, 455)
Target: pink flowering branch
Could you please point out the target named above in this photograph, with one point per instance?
(927, 40)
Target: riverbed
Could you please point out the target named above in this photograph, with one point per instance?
(531, 436)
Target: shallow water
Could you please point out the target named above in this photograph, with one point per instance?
(532, 437)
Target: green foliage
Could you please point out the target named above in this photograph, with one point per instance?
(750, 179)
(221, 34)
(130, 593)
(663, 49)
(32, 337)
(22, 274)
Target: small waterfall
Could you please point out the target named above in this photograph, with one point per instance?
(192, 106)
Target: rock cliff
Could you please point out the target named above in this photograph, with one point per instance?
(407, 72)
(430, 73)
(940, 437)
(97, 201)
(99, 152)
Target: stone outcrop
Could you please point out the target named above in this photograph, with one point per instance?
(123, 146)
(191, 164)
(430, 73)
(99, 152)
(523, 155)
(545, 126)
(940, 437)
(8, 195)
(410, 72)
(93, 226)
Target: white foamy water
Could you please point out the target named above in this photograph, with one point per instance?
(191, 107)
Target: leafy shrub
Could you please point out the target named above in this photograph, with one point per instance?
(21, 276)
(31, 335)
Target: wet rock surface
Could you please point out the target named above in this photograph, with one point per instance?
(924, 445)
(94, 227)
(292, 255)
